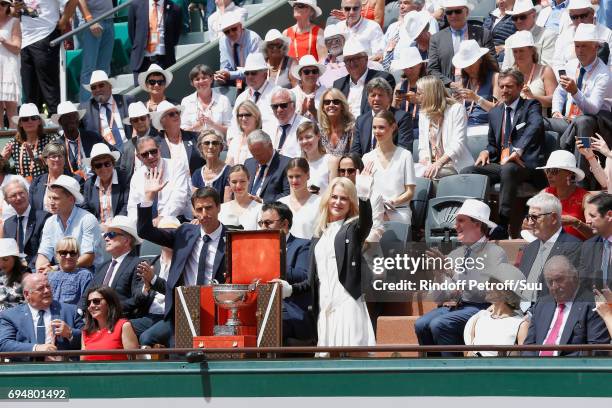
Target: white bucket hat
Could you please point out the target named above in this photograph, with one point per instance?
(520, 39)
(135, 110)
(274, 34)
(457, 3)
(306, 61)
(9, 247)
(311, 3)
(507, 273)
(154, 69)
(353, 47)
(581, 4)
(71, 185)
(229, 19)
(98, 150)
(254, 62)
(587, 32)
(66, 107)
(333, 30)
(98, 76)
(123, 223)
(26, 110)
(520, 7)
(162, 108)
(469, 52)
(415, 22)
(410, 58)
(477, 210)
(562, 159)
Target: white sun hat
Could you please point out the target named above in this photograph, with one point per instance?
(98, 150)
(154, 69)
(64, 108)
(520, 7)
(415, 22)
(306, 61)
(9, 247)
(71, 185)
(26, 110)
(311, 3)
(125, 224)
(562, 159)
(274, 34)
(469, 52)
(254, 62)
(457, 3)
(98, 76)
(520, 39)
(229, 19)
(353, 47)
(477, 210)
(135, 110)
(333, 30)
(162, 108)
(409, 58)
(587, 32)
(581, 4)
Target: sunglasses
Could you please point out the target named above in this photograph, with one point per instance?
(535, 217)
(230, 30)
(106, 164)
(65, 254)
(29, 118)
(154, 82)
(112, 235)
(348, 171)
(251, 73)
(299, 5)
(520, 17)
(211, 143)
(312, 71)
(244, 115)
(96, 86)
(171, 114)
(579, 16)
(139, 119)
(349, 9)
(275, 46)
(94, 301)
(453, 11)
(552, 172)
(266, 223)
(150, 153)
(336, 102)
(283, 105)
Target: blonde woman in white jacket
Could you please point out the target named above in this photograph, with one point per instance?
(443, 149)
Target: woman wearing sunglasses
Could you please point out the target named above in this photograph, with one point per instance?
(215, 172)
(104, 329)
(308, 91)
(306, 38)
(12, 271)
(275, 48)
(248, 117)
(107, 192)
(10, 48)
(336, 121)
(154, 81)
(69, 282)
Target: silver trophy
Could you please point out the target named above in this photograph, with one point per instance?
(232, 297)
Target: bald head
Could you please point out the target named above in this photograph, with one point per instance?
(37, 291)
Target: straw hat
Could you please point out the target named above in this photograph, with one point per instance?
(162, 108)
(353, 47)
(477, 210)
(520, 39)
(562, 159)
(154, 69)
(98, 76)
(333, 30)
(520, 7)
(311, 3)
(581, 4)
(274, 34)
(457, 3)
(415, 22)
(99, 150)
(410, 58)
(125, 224)
(64, 108)
(229, 19)
(26, 110)
(469, 52)
(71, 185)
(587, 32)
(254, 62)
(9, 247)
(135, 110)
(306, 61)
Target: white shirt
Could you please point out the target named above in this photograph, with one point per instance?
(566, 312)
(356, 91)
(367, 32)
(564, 46)
(6, 211)
(46, 319)
(230, 214)
(304, 218)
(214, 21)
(178, 154)
(159, 300)
(161, 47)
(24, 222)
(104, 125)
(119, 260)
(37, 28)
(319, 173)
(219, 110)
(291, 147)
(300, 95)
(191, 269)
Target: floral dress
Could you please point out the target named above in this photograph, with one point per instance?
(10, 295)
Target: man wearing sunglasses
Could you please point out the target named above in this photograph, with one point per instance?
(139, 120)
(215, 20)
(285, 123)
(361, 29)
(445, 43)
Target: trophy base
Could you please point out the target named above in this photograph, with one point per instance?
(226, 330)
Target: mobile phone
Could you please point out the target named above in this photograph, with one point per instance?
(562, 73)
(586, 141)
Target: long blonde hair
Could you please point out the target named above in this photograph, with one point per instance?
(435, 98)
(350, 190)
(347, 116)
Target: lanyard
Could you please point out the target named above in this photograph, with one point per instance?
(295, 42)
(112, 116)
(78, 156)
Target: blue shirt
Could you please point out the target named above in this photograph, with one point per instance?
(249, 43)
(69, 287)
(82, 226)
(555, 16)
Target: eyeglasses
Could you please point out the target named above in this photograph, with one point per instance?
(150, 153)
(579, 16)
(139, 119)
(266, 223)
(94, 301)
(154, 82)
(336, 102)
(347, 171)
(230, 30)
(535, 217)
(112, 235)
(520, 17)
(453, 11)
(313, 71)
(66, 254)
(349, 9)
(171, 114)
(283, 105)
(93, 87)
(275, 45)
(211, 143)
(244, 115)
(29, 118)
(251, 73)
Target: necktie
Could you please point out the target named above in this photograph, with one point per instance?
(507, 127)
(201, 279)
(256, 94)
(41, 330)
(153, 34)
(580, 78)
(285, 129)
(554, 332)
(114, 128)
(386, 63)
(258, 179)
(20, 233)
(236, 55)
(109, 273)
(605, 261)
(73, 154)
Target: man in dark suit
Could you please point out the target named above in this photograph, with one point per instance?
(353, 85)
(444, 44)
(544, 220)
(119, 272)
(199, 250)
(139, 120)
(267, 168)
(105, 111)
(297, 323)
(147, 47)
(41, 324)
(380, 95)
(26, 226)
(516, 139)
(595, 260)
(552, 323)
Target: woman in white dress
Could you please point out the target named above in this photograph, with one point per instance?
(243, 210)
(10, 48)
(303, 204)
(320, 163)
(393, 169)
(248, 117)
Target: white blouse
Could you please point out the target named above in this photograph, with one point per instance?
(238, 151)
(319, 173)
(304, 219)
(219, 110)
(230, 215)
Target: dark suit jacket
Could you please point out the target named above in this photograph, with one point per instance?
(583, 326)
(158, 287)
(190, 140)
(138, 30)
(590, 264)
(276, 184)
(119, 195)
(343, 84)
(126, 161)
(39, 186)
(297, 322)
(17, 331)
(441, 51)
(530, 137)
(126, 283)
(567, 245)
(91, 120)
(362, 141)
(182, 240)
(36, 222)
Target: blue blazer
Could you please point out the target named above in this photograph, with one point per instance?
(36, 222)
(590, 264)
(343, 84)
(119, 195)
(583, 325)
(182, 240)
(91, 120)
(297, 322)
(190, 140)
(17, 331)
(362, 141)
(276, 184)
(39, 186)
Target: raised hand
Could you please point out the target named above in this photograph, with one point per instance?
(153, 183)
